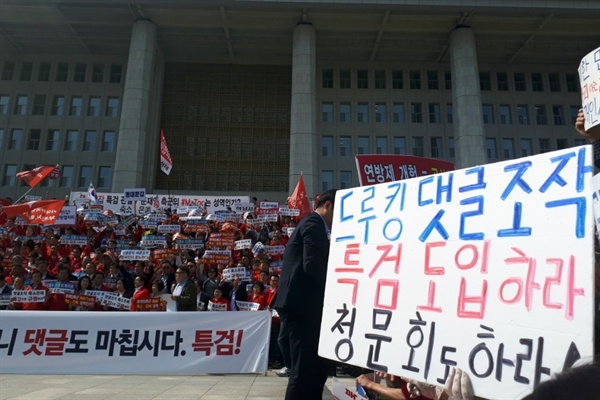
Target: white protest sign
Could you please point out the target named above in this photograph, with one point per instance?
(489, 267)
(216, 306)
(29, 197)
(98, 294)
(137, 194)
(269, 205)
(241, 208)
(243, 244)
(275, 249)
(74, 239)
(247, 305)
(171, 304)
(341, 392)
(135, 255)
(193, 244)
(4, 299)
(288, 230)
(28, 296)
(150, 241)
(292, 212)
(589, 79)
(67, 216)
(60, 287)
(175, 228)
(115, 301)
(230, 273)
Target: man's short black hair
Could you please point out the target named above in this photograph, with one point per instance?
(185, 270)
(327, 196)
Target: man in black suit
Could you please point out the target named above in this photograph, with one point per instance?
(184, 291)
(300, 299)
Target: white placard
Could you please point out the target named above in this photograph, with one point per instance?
(243, 244)
(275, 249)
(74, 239)
(269, 205)
(28, 296)
(596, 200)
(459, 266)
(341, 392)
(169, 228)
(126, 343)
(230, 273)
(115, 301)
(135, 255)
(98, 294)
(216, 307)
(247, 305)
(193, 244)
(241, 208)
(288, 230)
(137, 194)
(291, 212)
(67, 216)
(589, 79)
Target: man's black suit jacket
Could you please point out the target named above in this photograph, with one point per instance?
(304, 271)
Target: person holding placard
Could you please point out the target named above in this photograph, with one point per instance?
(219, 299)
(36, 284)
(300, 299)
(258, 295)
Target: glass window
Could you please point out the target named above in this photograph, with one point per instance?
(561, 144)
(10, 175)
(502, 81)
(326, 180)
(345, 146)
(544, 145)
(399, 145)
(418, 146)
(381, 145)
(93, 107)
(21, 106)
(526, 148)
(554, 80)
(15, 139)
(397, 79)
(85, 176)
(537, 82)
(89, 141)
(416, 112)
(34, 139)
(44, 73)
(449, 115)
(58, 105)
(520, 84)
(363, 145)
(66, 176)
(112, 107)
(448, 80)
(572, 83)
(115, 73)
(490, 149)
(104, 177)
(98, 73)
(76, 106)
(380, 79)
(39, 104)
(522, 114)
(485, 81)
(71, 140)
(398, 113)
(451, 148)
(434, 113)
(80, 70)
(62, 72)
(505, 114)
(381, 113)
(415, 79)
(8, 70)
(558, 115)
(1, 138)
(345, 113)
(362, 79)
(108, 141)
(432, 80)
(345, 179)
(3, 104)
(345, 79)
(327, 112)
(436, 147)
(327, 78)
(53, 140)
(362, 112)
(487, 111)
(508, 149)
(26, 71)
(541, 117)
(573, 110)
(327, 146)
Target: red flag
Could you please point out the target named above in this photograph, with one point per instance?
(165, 158)
(54, 174)
(43, 212)
(36, 175)
(299, 200)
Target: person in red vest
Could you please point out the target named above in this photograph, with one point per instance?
(57, 300)
(141, 291)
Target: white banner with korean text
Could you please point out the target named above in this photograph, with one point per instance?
(42, 342)
(489, 268)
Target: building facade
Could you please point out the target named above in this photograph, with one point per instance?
(252, 94)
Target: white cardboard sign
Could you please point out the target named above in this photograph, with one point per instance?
(589, 79)
(490, 268)
(137, 194)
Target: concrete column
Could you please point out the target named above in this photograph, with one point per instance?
(131, 163)
(303, 125)
(469, 134)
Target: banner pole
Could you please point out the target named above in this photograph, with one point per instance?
(24, 194)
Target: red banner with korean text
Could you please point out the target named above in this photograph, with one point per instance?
(379, 168)
(36, 175)
(299, 199)
(43, 212)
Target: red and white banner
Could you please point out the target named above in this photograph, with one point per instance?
(36, 175)
(165, 158)
(43, 212)
(379, 168)
(299, 199)
(42, 342)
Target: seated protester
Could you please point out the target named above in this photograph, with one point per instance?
(258, 295)
(18, 284)
(57, 300)
(83, 284)
(219, 299)
(36, 284)
(140, 292)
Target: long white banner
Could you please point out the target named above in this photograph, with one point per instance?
(43, 342)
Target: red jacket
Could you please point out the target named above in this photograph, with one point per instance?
(139, 294)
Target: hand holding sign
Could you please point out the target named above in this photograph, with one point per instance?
(458, 385)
